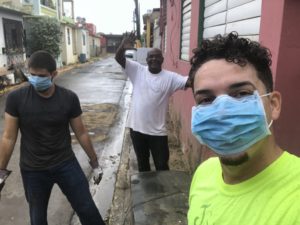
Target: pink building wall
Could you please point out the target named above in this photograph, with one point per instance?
(280, 31)
(182, 101)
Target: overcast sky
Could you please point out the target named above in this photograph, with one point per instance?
(112, 16)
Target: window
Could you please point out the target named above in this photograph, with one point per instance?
(68, 36)
(225, 16)
(13, 34)
(74, 41)
(48, 3)
(165, 39)
(185, 29)
(163, 25)
(83, 39)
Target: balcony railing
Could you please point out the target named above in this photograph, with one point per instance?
(17, 6)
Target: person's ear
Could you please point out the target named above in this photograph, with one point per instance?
(275, 101)
(54, 73)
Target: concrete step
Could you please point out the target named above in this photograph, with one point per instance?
(160, 197)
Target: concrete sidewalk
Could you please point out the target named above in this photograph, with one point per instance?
(156, 198)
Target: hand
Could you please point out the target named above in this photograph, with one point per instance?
(3, 176)
(97, 175)
(188, 83)
(129, 41)
(2, 182)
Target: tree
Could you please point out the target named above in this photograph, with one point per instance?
(42, 33)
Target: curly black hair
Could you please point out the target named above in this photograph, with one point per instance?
(237, 50)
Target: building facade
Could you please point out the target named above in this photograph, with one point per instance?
(112, 42)
(150, 20)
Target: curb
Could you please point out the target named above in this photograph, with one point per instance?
(120, 212)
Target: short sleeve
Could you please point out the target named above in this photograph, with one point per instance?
(12, 103)
(131, 69)
(75, 108)
(178, 81)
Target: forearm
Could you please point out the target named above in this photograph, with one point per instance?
(188, 84)
(127, 43)
(6, 149)
(120, 55)
(87, 146)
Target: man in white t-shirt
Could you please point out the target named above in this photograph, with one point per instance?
(152, 87)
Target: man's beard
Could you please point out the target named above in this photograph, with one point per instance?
(234, 160)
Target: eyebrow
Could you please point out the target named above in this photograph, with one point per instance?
(232, 86)
(34, 74)
(241, 84)
(203, 92)
(155, 54)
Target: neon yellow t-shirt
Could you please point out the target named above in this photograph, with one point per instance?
(269, 198)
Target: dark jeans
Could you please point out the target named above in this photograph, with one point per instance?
(143, 144)
(73, 183)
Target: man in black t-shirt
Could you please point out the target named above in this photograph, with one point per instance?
(43, 112)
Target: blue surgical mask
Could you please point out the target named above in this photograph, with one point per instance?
(230, 125)
(40, 83)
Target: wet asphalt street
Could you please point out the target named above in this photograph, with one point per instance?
(100, 82)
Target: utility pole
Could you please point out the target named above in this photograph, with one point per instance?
(137, 19)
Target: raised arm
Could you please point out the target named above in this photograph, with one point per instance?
(188, 84)
(127, 43)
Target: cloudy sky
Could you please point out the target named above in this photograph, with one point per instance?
(111, 16)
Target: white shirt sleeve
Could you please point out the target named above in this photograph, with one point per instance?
(132, 69)
(178, 82)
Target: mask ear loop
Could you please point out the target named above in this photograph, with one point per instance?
(267, 94)
(270, 124)
(264, 95)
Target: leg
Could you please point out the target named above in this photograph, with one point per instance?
(37, 186)
(73, 183)
(160, 151)
(141, 149)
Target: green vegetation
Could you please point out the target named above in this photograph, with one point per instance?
(42, 33)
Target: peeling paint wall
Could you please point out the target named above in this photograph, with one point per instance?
(280, 32)
(182, 101)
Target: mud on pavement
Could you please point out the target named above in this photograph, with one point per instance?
(98, 119)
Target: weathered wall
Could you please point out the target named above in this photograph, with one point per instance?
(280, 32)
(182, 101)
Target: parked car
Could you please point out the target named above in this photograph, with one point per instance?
(130, 54)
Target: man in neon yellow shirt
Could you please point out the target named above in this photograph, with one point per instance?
(252, 181)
